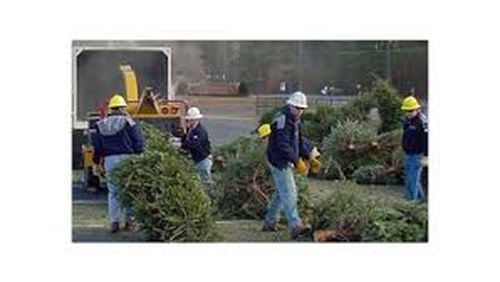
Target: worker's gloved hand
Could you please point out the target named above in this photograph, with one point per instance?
(315, 166)
(314, 161)
(98, 169)
(301, 167)
(175, 142)
(314, 154)
(424, 161)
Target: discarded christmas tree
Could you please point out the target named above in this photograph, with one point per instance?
(165, 193)
(351, 215)
(243, 181)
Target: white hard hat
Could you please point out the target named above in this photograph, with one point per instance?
(297, 99)
(194, 113)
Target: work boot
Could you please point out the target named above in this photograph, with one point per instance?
(300, 230)
(115, 226)
(270, 227)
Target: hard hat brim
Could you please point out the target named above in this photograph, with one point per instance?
(116, 106)
(297, 105)
(410, 108)
(194, 117)
(117, 101)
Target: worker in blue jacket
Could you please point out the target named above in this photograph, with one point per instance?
(414, 143)
(285, 150)
(116, 137)
(197, 143)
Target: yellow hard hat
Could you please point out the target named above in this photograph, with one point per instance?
(117, 101)
(264, 130)
(410, 103)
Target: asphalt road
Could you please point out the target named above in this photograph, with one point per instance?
(225, 118)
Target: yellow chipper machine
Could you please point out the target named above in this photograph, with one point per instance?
(166, 114)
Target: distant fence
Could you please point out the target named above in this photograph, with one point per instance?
(267, 102)
(213, 88)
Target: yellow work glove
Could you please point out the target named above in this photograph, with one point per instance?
(315, 166)
(314, 161)
(301, 167)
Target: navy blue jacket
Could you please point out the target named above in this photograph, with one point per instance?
(115, 135)
(415, 134)
(286, 143)
(197, 143)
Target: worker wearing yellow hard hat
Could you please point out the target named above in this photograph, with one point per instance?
(410, 103)
(117, 101)
(414, 143)
(116, 137)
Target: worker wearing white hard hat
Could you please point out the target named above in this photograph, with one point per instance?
(197, 143)
(298, 100)
(285, 150)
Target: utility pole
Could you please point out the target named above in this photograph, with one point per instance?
(388, 57)
(299, 60)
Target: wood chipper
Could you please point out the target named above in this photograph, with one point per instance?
(147, 107)
(139, 70)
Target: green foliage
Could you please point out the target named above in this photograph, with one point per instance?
(357, 108)
(360, 218)
(165, 192)
(390, 154)
(327, 115)
(346, 148)
(388, 102)
(242, 179)
(236, 150)
(382, 96)
(312, 130)
(268, 116)
(304, 204)
(316, 125)
(401, 222)
(353, 150)
(156, 140)
(345, 210)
